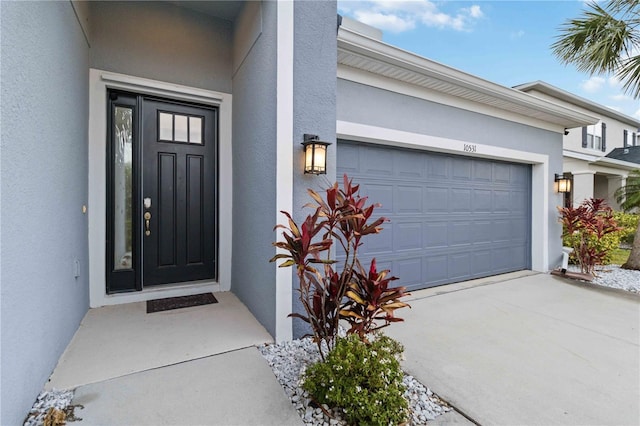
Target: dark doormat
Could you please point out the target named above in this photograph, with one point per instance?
(159, 305)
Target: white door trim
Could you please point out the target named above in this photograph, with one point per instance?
(540, 182)
(99, 82)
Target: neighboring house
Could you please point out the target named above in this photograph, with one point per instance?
(594, 156)
(148, 148)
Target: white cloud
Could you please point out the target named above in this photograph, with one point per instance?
(475, 11)
(620, 97)
(404, 15)
(517, 34)
(593, 84)
(392, 23)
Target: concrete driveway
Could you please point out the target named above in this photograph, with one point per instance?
(531, 350)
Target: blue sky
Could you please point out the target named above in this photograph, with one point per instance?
(506, 42)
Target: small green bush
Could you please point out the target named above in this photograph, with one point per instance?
(605, 245)
(364, 379)
(629, 223)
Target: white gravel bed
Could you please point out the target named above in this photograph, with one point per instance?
(289, 360)
(615, 277)
(60, 399)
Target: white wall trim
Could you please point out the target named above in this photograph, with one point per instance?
(284, 155)
(99, 82)
(541, 184)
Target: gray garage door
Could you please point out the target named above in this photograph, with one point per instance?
(453, 218)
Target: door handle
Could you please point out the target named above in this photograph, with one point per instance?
(147, 219)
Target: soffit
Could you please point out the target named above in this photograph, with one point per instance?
(373, 56)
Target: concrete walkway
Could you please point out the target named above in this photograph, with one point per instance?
(192, 366)
(527, 351)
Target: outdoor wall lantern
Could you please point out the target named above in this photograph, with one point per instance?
(563, 184)
(315, 155)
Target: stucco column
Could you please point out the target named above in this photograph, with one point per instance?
(613, 183)
(582, 186)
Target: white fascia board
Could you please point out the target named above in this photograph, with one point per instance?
(563, 95)
(619, 164)
(350, 41)
(579, 155)
(601, 160)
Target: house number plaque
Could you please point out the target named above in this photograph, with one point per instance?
(468, 147)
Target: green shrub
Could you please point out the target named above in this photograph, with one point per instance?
(364, 379)
(629, 223)
(605, 245)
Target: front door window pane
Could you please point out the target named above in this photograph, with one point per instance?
(195, 129)
(166, 126)
(122, 182)
(181, 128)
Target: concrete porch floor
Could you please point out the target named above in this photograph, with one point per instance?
(113, 341)
(187, 366)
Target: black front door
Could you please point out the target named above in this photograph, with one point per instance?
(178, 193)
(162, 208)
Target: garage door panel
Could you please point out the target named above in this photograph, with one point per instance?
(452, 217)
(460, 233)
(437, 168)
(501, 230)
(409, 165)
(374, 162)
(519, 175)
(407, 236)
(436, 199)
(482, 171)
(435, 234)
(378, 193)
(460, 265)
(350, 159)
(409, 271)
(501, 173)
(437, 269)
(382, 243)
(482, 262)
(409, 199)
(482, 201)
(461, 169)
(502, 201)
(482, 231)
(460, 200)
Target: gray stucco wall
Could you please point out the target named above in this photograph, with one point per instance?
(368, 105)
(161, 41)
(44, 186)
(254, 173)
(314, 104)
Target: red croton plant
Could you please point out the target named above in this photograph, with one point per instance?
(586, 225)
(347, 292)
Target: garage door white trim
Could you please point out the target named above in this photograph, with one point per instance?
(540, 183)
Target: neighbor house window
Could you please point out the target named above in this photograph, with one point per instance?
(594, 138)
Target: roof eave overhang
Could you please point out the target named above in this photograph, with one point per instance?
(563, 95)
(601, 161)
(374, 56)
